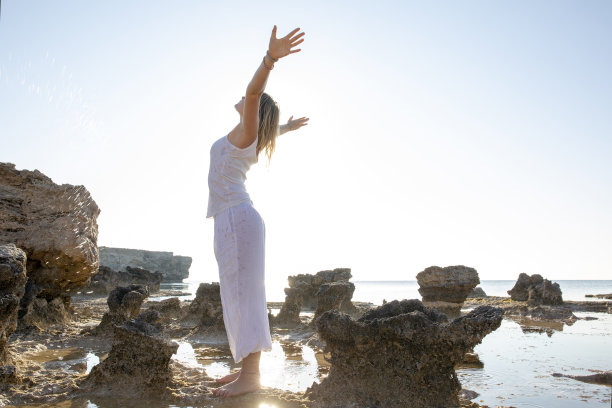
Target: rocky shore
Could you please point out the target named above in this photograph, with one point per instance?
(62, 343)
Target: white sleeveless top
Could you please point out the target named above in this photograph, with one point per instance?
(227, 174)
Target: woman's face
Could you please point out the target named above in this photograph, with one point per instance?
(240, 106)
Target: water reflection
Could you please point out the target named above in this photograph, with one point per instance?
(288, 366)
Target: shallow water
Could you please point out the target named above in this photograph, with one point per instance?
(518, 366)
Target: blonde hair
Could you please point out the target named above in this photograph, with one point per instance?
(269, 117)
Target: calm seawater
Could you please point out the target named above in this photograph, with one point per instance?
(375, 291)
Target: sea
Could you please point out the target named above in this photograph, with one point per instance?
(377, 291)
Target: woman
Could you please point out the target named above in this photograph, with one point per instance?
(239, 229)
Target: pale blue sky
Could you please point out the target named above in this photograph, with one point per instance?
(441, 133)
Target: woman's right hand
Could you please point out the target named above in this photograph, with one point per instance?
(281, 47)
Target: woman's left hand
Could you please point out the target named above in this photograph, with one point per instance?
(297, 123)
(281, 47)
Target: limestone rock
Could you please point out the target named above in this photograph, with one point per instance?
(55, 226)
(12, 287)
(123, 304)
(447, 288)
(168, 307)
(106, 279)
(398, 352)
(290, 311)
(205, 310)
(477, 292)
(331, 296)
(174, 268)
(536, 290)
(139, 359)
(310, 284)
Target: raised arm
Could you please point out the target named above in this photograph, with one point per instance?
(277, 49)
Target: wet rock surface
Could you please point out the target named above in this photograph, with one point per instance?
(174, 268)
(401, 351)
(536, 290)
(106, 279)
(447, 288)
(12, 287)
(599, 378)
(55, 225)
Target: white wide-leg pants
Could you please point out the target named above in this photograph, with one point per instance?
(239, 248)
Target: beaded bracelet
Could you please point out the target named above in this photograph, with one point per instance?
(266, 65)
(271, 57)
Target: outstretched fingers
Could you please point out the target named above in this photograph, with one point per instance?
(288, 36)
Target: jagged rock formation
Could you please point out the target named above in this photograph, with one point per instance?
(55, 226)
(447, 288)
(167, 307)
(139, 359)
(12, 287)
(397, 353)
(477, 292)
(331, 296)
(174, 268)
(536, 290)
(290, 310)
(309, 284)
(106, 279)
(123, 304)
(205, 310)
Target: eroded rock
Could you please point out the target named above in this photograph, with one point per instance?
(332, 296)
(106, 279)
(401, 351)
(290, 310)
(55, 225)
(205, 310)
(447, 288)
(123, 304)
(536, 290)
(477, 292)
(12, 287)
(309, 284)
(138, 362)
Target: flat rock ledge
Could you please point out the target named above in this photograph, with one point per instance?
(401, 351)
(174, 268)
(107, 279)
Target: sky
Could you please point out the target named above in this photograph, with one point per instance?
(441, 133)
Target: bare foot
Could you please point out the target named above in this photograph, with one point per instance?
(228, 378)
(245, 383)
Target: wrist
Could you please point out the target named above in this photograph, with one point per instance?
(273, 58)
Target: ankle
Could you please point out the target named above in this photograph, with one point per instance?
(249, 372)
